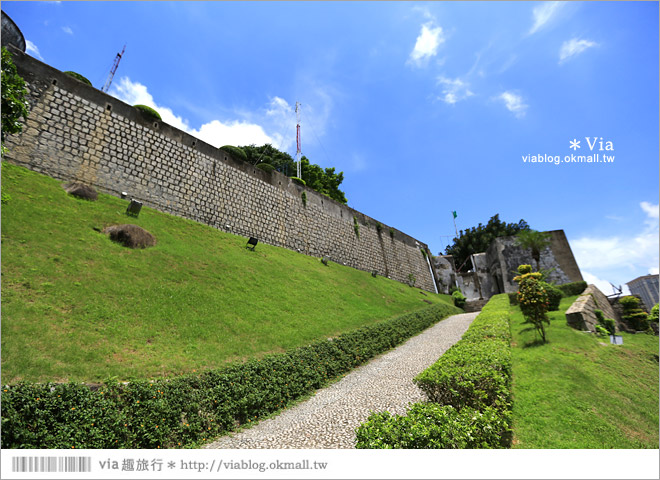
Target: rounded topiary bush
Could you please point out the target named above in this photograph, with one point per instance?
(149, 112)
(77, 76)
(459, 298)
(236, 152)
(299, 181)
(266, 167)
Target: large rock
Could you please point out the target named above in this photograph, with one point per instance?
(130, 236)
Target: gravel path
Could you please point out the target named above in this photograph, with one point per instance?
(329, 418)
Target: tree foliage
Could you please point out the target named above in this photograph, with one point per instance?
(325, 181)
(533, 299)
(14, 105)
(478, 239)
(535, 241)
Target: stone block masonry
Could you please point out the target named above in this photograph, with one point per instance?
(75, 132)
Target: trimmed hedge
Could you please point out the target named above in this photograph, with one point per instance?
(193, 408)
(554, 296)
(469, 389)
(572, 289)
(476, 371)
(429, 425)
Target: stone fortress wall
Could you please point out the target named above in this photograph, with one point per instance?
(76, 132)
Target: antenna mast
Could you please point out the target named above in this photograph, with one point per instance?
(298, 173)
(113, 70)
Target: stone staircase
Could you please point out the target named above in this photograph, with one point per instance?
(475, 305)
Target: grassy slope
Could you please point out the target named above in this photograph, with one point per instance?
(579, 391)
(76, 306)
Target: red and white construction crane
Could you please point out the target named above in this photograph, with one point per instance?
(113, 70)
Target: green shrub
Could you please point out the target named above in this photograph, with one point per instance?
(299, 181)
(169, 413)
(428, 425)
(266, 167)
(602, 331)
(236, 152)
(607, 323)
(572, 289)
(14, 106)
(633, 315)
(469, 388)
(653, 316)
(79, 77)
(533, 299)
(356, 227)
(476, 371)
(303, 196)
(148, 112)
(554, 296)
(459, 298)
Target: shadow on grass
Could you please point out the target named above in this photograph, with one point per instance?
(537, 342)
(534, 343)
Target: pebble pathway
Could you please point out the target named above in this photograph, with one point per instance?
(330, 417)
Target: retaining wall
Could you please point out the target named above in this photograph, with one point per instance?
(76, 132)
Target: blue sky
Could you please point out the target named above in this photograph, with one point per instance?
(426, 107)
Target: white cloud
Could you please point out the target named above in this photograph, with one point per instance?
(31, 49)
(233, 132)
(514, 103)
(652, 211)
(426, 45)
(603, 285)
(453, 90)
(216, 132)
(542, 15)
(573, 47)
(622, 257)
(67, 30)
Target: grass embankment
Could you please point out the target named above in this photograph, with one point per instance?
(78, 307)
(579, 391)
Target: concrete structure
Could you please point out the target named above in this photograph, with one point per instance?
(75, 132)
(580, 314)
(646, 288)
(504, 257)
(495, 269)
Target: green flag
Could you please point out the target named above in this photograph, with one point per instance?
(454, 212)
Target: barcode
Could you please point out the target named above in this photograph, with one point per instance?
(51, 464)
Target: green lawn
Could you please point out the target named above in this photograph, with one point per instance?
(76, 306)
(579, 391)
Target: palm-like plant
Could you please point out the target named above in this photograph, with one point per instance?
(535, 241)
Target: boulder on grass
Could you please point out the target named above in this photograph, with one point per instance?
(130, 236)
(81, 190)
